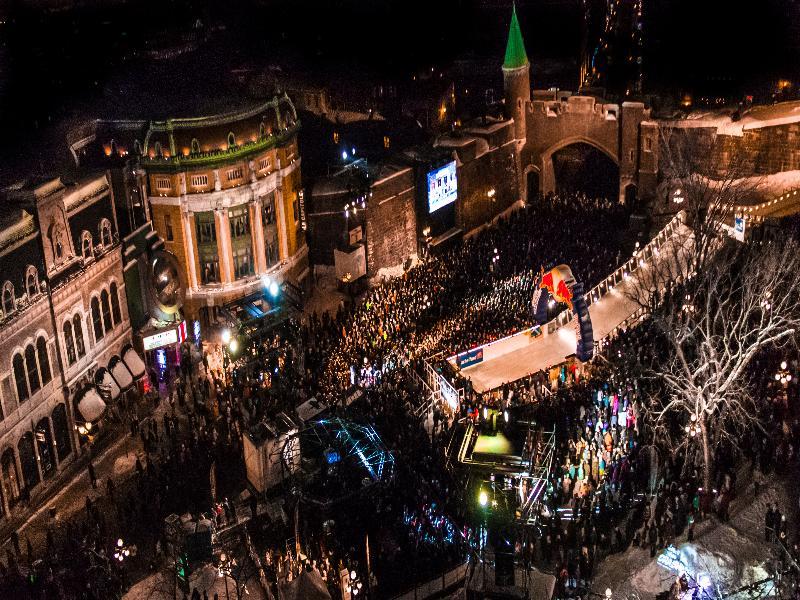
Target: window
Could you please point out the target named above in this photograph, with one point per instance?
(105, 232)
(97, 320)
(239, 217)
(209, 269)
(630, 155)
(78, 332)
(108, 325)
(19, 378)
(32, 369)
(234, 174)
(86, 244)
(137, 147)
(262, 130)
(168, 233)
(8, 298)
(231, 140)
(268, 204)
(31, 282)
(206, 229)
(115, 312)
(199, 180)
(61, 432)
(195, 146)
(44, 361)
(648, 144)
(69, 343)
(242, 262)
(265, 163)
(296, 209)
(163, 184)
(271, 246)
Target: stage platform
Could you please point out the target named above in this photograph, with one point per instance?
(520, 355)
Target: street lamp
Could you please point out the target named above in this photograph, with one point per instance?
(692, 428)
(226, 336)
(783, 375)
(123, 551)
(483, 498)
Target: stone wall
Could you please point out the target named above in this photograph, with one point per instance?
(760, 151)
(391, 221)
(487, 185)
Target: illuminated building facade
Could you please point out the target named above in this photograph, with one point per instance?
(65, 329)
(225, 196)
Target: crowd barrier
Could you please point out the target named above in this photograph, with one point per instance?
(436, 585)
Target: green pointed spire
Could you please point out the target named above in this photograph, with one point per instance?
(515, 49)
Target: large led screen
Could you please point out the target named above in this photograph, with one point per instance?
(442, 187)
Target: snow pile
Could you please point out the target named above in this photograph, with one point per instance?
(783, 113)
(726, 555)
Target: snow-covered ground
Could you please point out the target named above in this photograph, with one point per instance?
(728, 555)
(160, 587)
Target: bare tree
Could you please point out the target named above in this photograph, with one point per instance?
(714, 304)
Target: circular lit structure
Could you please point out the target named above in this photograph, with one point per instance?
(333, 459)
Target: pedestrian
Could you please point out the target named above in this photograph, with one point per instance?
(92, 475)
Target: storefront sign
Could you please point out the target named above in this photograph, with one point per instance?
(469, 358)
(182, 332)
(302, 201)
(162, 338)
(197, 331)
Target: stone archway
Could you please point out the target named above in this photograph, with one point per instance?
(631, 194)
(547, 170)
(533, 184)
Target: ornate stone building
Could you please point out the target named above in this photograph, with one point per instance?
(225, 196)
(65, 330)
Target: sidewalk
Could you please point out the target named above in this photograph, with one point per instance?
(117, 461)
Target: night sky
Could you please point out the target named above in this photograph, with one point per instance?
(54, 64)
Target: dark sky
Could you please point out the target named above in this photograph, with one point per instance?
(52, 63)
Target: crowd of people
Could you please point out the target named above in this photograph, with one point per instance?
(611, 487)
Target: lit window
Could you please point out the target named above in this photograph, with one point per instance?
(8, 298)
(86, 245)
(168, 233)
(32, 282)
(105, 232)
(231, 140)
(163, 184)
(234, 174)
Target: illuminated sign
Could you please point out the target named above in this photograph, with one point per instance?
(442, 187)
(302, 202)
(162, 338)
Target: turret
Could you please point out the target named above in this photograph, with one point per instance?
(516, 77)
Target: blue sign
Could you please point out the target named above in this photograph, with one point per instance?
(469, 358)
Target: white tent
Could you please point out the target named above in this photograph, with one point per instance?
(120, 373)
(134, 362)
(91, 405)
(108, 382)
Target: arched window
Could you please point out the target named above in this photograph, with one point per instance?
(8, 298)
(231, 140)
(262, 130)
(105, 232)
(33, 370)
(78, 332)
(27, 458)
(44, 444)
(86, 245)
(69, 344)
(8, 465)
(195, 146)
(157, 148)
(19, 378)
(97, 320)
(115, 311)
(32, 282)
(44, 361)
(137, 147)
(61, 432)
(108, 325)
